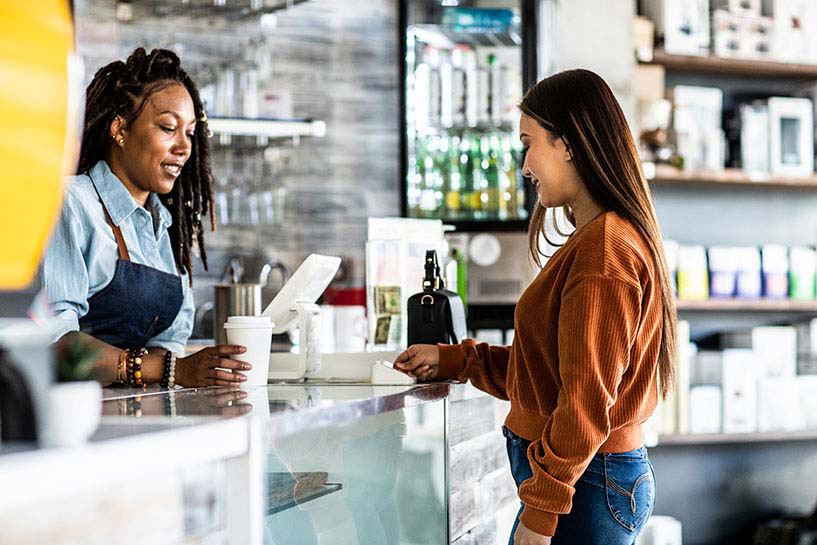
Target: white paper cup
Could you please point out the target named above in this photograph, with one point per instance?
(255, 334)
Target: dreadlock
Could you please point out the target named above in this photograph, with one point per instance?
(122, 89)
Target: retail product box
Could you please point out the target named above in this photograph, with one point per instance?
(682, 25)
(754, 136)
(675, 407)
(741, 35)
(807, 347)
(649, 82)
(723, 269)
(739, 391)
(791, 136)
(705, 409)
(707, 368)
(696, 125)
(775, 349)
(693, 278)
(802, 273)
(807, 399)
(794, 28)
(778, 405)
(744, 7)
(775, 266)
(748, 279)
(643, 38)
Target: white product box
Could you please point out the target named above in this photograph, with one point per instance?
(754, 136)
(741, 35)
(697, 126)
(791, 136)
(795, 23)
(723, 269)
(746, 7)
(775, 349)
(683, 24)
(807, 347)
(707, 368)
(705, 409)
(778, 405)
(807, 397)
(739, 391)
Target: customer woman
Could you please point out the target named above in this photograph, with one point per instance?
(118, 270)
(595, 331)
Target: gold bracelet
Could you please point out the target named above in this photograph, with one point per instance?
(121, 373)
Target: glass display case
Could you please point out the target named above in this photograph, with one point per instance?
(377, 480)
(466, 64)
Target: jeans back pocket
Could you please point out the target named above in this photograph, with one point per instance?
(630, 489)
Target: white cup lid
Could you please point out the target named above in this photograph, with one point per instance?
(248, 321)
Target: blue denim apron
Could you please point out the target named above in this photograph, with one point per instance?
(137, 304)
(613, 499)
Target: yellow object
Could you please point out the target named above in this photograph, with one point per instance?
(39, 142)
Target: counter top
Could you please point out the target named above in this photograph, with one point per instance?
(286, 408)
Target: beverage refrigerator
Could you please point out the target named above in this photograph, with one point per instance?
(464, 67)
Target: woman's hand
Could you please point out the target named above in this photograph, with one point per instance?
(200, 369)
(526, 536)
(419, 360)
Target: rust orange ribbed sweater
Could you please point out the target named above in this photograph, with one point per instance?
(581, 373)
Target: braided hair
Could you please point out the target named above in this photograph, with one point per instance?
(122, 89)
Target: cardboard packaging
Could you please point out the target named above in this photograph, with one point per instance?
(775, 349)
(739, 391)
(682, 25)
(723, 268)
(778, 405)
(802, 273)
(696, 125)
(791, 136)
(693, 278)
(705, 409)
(775, 271)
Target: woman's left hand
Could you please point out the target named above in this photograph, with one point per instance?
(526, 536)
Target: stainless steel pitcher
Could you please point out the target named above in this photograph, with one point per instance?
(234, 300)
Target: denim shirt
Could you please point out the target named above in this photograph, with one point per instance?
(81, 257)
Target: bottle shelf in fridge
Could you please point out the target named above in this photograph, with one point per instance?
(271, 128)
(666, 175)
(441, 36)
(750, 68)
(234, 10)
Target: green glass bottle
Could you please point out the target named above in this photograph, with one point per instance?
(453, 178)
(491, 194)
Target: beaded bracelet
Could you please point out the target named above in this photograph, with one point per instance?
(134, 406)
(134, 370)
(169, 374)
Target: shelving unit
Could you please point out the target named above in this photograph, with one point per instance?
(270, 128)
(747, 305)
(694, 439)
(666, 175)
(734, 67)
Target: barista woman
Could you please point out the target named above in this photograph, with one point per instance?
(118, 271)
(595, 330)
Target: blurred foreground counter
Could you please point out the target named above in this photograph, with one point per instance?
(283, 464)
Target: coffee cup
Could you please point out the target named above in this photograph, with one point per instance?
(255, 334)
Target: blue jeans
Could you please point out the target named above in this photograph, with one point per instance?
(613, 499)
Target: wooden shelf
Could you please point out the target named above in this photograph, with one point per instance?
(692, 439)
(734, 67)
(666, 175)
(747, 305)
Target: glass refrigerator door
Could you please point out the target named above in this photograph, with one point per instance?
(464, 68)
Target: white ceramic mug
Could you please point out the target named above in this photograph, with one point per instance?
(255, 334)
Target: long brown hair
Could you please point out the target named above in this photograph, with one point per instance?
(579, 107)
(123, 88)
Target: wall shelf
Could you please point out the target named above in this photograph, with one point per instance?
(747, 305)
(270, 128)
(693, 439)
(666, 175)
(734, 67)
